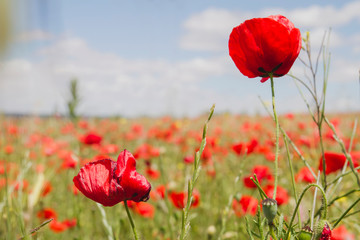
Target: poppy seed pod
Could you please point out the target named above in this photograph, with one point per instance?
(264, 47)
(306, 233)
(269, 207)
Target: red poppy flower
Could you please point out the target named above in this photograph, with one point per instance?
(260, 46)
(47, 188)
(108, 182)
(146, 152)
(246, 204)
(237, 148)
(333, 162)
(179, 199)
(91, 138)
(282, 196)
(47, 213)
(58, 227)
(262, 172)
(341, 233)
(251, 146)
(304, 175)
(142, 208)
(152, 173)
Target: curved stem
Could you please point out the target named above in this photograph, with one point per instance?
(131, 220)
(277, 135)
(299, 201)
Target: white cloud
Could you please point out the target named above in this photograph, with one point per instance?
(325, 16)
(108, 83)
(209, 30)
(34, 35)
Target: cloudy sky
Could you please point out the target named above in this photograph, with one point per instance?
(155, 57)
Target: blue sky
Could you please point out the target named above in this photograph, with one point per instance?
(153, 57)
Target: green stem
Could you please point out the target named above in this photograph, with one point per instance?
(292, 177)
(272, 233)
(344, 214)
(277, 135)
(322, 156)
(131, 220)
(298, 205)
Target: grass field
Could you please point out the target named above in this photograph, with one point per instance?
(40, 157)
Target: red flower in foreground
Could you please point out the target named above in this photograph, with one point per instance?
(108, 182)
(261, 46)
(247, 204)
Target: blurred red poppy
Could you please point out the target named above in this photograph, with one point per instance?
(304, 175)
(146, 152)
(237, 148)
(333, 162)
(341, 233)
(251, 146)
(261, 46)
(245, 205)
(91, 138)
(189, 159)
(262, 173)
(142, 208)
(282, 196)
(108, 182)
(47, 213)
(179, 199)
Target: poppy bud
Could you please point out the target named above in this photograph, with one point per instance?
(306, 233)
(323, 230)
(269, 208)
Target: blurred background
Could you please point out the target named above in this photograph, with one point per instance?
(160, 57)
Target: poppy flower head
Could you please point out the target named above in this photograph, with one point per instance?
(91, 138)
(108, 182)
(333, 162)
(263, 46)
(246, 204)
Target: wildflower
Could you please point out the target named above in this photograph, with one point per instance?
(142, 208)
(304, 175)
(263, 46)
(262, 173)
(179, 199)
(341, 233)
(108, 182)
(237, 148)
(91, 138)
(282, 196)
(333, 162)
(246, 204)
